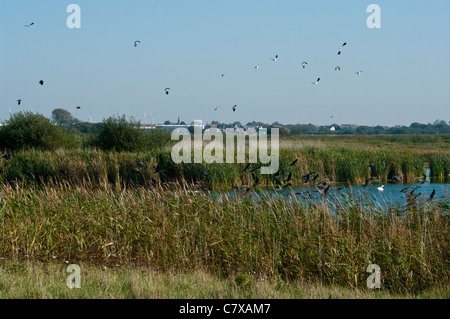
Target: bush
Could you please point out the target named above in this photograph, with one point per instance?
(26, 130)
(118, 134)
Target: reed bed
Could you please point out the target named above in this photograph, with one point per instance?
(183, 230)
(333, 164)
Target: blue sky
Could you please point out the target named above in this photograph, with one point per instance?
(187, 45)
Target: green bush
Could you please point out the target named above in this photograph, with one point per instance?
(118, 134)
(26, 130)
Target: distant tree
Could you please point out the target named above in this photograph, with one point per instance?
(167, 122)
(63, 117)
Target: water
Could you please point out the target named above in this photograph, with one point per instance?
(391, 195)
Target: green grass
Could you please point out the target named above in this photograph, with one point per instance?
(29, 280)
(177, 230)
(338, 164)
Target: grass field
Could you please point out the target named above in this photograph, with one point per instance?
(48, 281)
(90, 208)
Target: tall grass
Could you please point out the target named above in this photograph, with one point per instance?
(335, 164)
(330, 242)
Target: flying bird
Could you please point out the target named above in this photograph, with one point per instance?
(275, 59)
(432, 194)
(78, 107)
(257, 67)
(317, 82)
(340, 49)
(19, 101)
(136, 43)
(32, 23)
(358, 73)
(304, 64)
(217, 108)
(323, 191)
(167, 90)
(234, 108)
(337, 68)
(41, 82)
(333, 116)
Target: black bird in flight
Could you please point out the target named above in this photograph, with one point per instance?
(432, 194)
(29, 25)
(41, 82)
(323, 191)
(167, 90)
(317, 82)
(246, 167)
(234, 108)
(19, 101)
(307, 178)
(288, 178)
(340, 49)
(78, 107)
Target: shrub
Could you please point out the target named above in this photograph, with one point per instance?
(26, 130)
(118, 134)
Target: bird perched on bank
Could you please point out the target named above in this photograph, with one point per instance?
(158, 169)
(255, 180)
(424, 179)
(205, 173)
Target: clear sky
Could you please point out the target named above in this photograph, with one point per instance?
(187, 44)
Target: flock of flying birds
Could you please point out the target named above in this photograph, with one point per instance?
(274, 59)
(281, 181)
